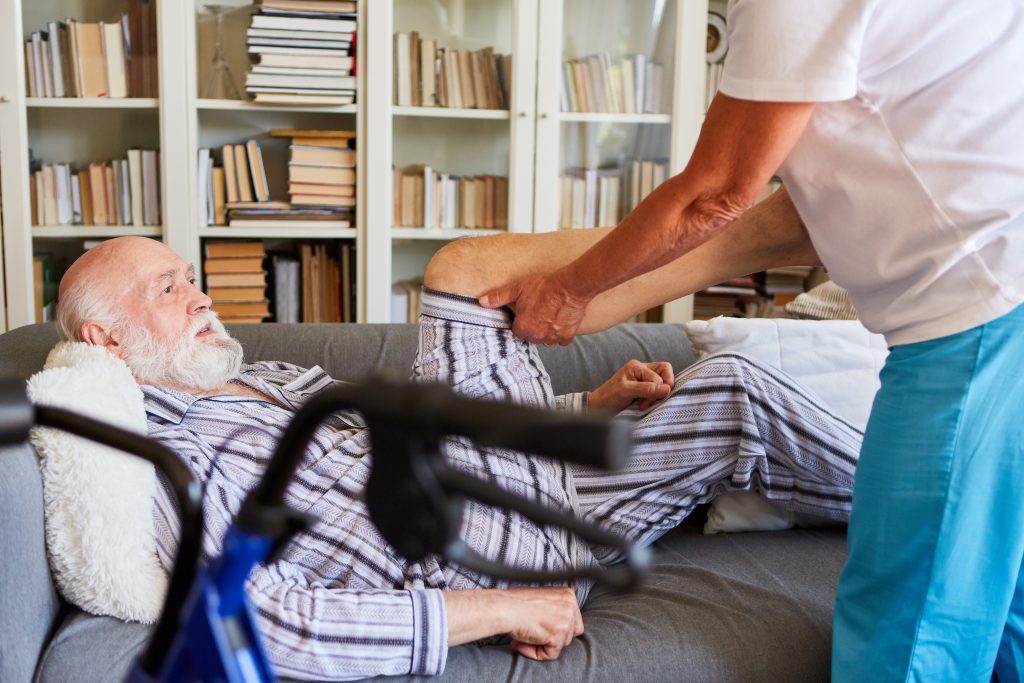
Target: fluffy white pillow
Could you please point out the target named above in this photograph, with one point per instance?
(97, 501)
(839, 360)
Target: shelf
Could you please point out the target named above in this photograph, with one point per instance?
(283, 230)
(595, 117)
(246, 105)
(91, 102)
(440, 234)
(86, 232)
(449, 113)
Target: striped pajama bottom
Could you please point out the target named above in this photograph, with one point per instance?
(729, 424)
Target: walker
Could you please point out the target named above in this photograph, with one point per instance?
(206, 631)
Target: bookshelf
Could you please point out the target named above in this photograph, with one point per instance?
(531, 142)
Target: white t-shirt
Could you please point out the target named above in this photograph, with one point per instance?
(910, 174)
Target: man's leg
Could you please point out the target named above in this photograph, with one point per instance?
(473, 349)
(768, 235)
(936, 535)
(730, 424)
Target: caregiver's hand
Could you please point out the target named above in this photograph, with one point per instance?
(546, 311)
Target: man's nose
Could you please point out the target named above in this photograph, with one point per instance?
(200, 301)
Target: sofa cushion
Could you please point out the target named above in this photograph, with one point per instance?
(746, 607)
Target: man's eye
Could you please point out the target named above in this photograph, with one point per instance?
(192, 281)
(167, 289)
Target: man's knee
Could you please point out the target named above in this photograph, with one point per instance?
(466, 266)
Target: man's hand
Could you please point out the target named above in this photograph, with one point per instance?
(648, 382)
(546, 311)
(546, 620)
(541, 621)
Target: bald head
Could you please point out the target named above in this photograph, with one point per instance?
(138, 299)
(107, 282)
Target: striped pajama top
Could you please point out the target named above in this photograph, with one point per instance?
(340, 603)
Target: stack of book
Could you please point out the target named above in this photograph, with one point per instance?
(118, 192)
(429, 76)
(635, 85)
(321, 185)
(239, 182)
(328, 294)
(304, 52)
(322, 169)
(426, 198)
(236, 281)
(103, 59)
(593, 197)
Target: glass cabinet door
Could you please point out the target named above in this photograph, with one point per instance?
(607, 77)
(461, 121)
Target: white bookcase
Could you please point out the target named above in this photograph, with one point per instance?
(531, 143)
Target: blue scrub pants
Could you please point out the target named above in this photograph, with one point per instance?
(932, 589)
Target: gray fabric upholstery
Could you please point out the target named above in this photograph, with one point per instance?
(28, 601)
(351, 351)
(746, 607)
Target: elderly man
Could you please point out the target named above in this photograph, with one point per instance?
(339, 602)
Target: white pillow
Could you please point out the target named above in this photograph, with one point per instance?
(839, 360)
(97, 501)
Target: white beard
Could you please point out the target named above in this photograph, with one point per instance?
(187, 362)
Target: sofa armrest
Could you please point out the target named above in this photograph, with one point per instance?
(29, 604)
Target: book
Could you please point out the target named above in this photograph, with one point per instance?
(230, 177)
(332, 36)
(85, 190)
(286, 293)
(235, 249)
(298, 173)
(302, 61)
(299, 99)
(310, 155)
(150, 187)
(336, 6)
(320, 189)
(242, 173)
(97, 182)
(56, 61)
(315, 200)
(92, 71)
(235, 279)
(311, 51)
(302, 23)
(253, 264)
(113, 59)
(253, 309)
(257, 171)
(241, 319)
(292, 71)
(204, 187)
(236, 293)
(110, 194)
(219, 214)
(135, 182)
(312, 82)
(340, 135)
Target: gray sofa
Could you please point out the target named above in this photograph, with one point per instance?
(740, 607)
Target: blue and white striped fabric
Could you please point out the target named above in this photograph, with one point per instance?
(341, 604)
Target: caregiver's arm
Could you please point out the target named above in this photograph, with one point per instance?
(741, 145)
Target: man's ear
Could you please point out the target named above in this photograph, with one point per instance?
(97, 335)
